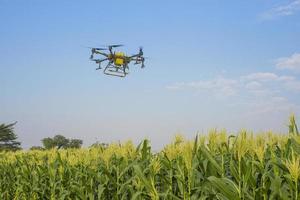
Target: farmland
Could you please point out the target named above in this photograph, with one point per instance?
(213, 166)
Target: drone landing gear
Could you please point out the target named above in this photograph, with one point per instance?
(99, 67)
(113, 70)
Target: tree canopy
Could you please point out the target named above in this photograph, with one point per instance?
(8, 138)
(60, 141)
(75, 143)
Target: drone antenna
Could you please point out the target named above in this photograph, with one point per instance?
(141, 51)
(110, 49)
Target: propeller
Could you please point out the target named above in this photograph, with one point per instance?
(95, 48)
(116, 45)
(111, 45)
(107, 47)
(99, 49)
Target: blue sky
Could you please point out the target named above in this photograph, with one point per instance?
(224, 64)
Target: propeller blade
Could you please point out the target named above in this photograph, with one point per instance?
(99, 49)
(91, 47)
(116, 45)
(96, 48)
(104, 47)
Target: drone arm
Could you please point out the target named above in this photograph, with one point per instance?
(134, 56)
(99, 60)
(139, 60)
(101, 53)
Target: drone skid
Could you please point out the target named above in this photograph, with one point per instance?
(113, 70)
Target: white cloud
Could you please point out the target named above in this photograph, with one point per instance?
(286, 78)
(176, 86)
(219, 86)
(261, 84)
(253, 85)
(273, 104)
(292, 62)
(266, 76)
(260, 76)
(257, 89)
(256, 83)
(293, 85)
(282, 10)
(257, 98)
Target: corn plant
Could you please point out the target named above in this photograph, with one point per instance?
(213, 166)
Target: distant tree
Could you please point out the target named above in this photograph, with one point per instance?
(48, 143)
(8, 138)
(60, 141)
(37, 148)
(75, 143)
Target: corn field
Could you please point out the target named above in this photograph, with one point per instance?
(214, 166)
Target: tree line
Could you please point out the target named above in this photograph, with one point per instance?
(9, 142)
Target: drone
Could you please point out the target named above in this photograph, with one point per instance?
(117, 62)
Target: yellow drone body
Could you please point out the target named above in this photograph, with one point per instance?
(119, 58)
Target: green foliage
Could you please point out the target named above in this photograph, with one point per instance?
(293, 129)
(216, 166)
(74, 143)
(8, 138)
(48, 143)
(60, 141)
